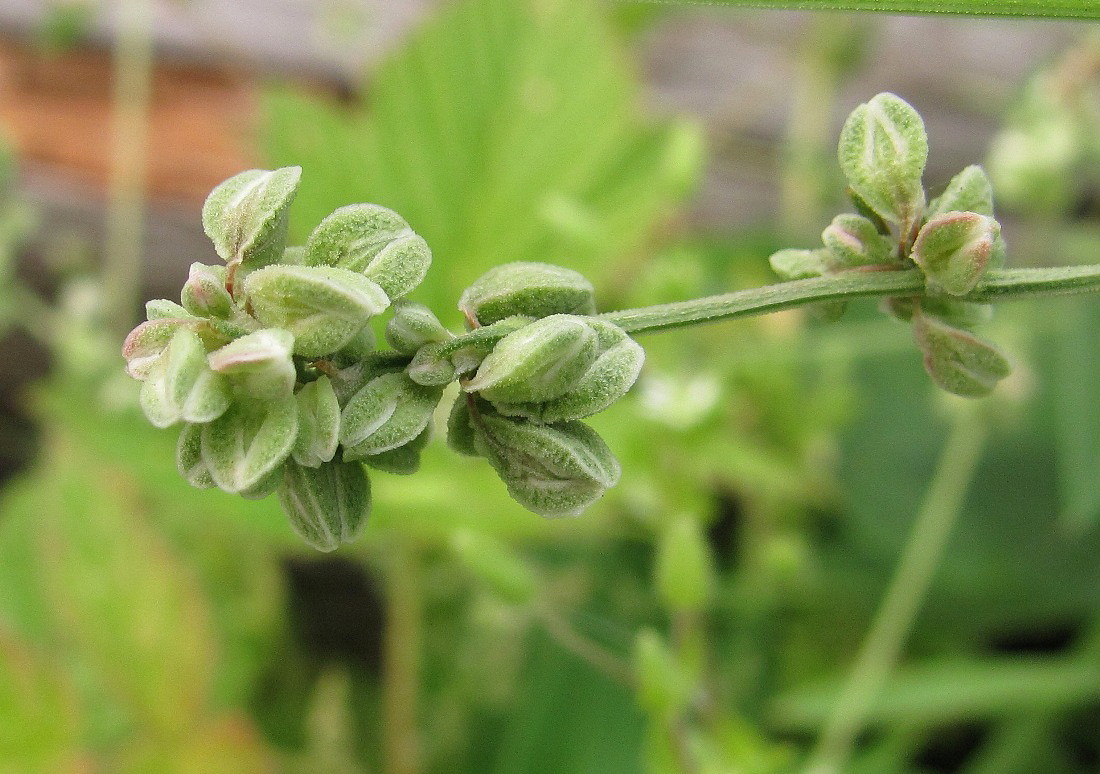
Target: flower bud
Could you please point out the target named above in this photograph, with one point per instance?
(685, 566)
(968, 191)
(853, 240)
(882, 152)
(246, 216)
(145, 343)
(388, 412)
(266, 485)
(404, 460)
(499, 568)
(460, 428)
(318, 424)
(189, 461)
(954, 249)
(163, 309)
(537, 363)
(328, 505)
(249, 441)
(374, 241)
(412, 326)
(957, 360)
(552, 470)
(528, 289)
(180, 385)
(323, 307)
(613, 373)
(258, 364)
(432, 367)
(204, 293)
(799, 264)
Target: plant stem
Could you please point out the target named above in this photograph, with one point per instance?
(1003, 285)
(125, 228)
(401, 667)
(921, 555)
(596, 655)
(1037, 9)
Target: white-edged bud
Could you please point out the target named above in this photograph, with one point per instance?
(242, 446)
(328, 505)
(180, 387)
(527, 289)
(390, 411)
(318, 424)
(259, 364)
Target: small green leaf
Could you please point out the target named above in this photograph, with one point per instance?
(537, 363)
(552, 470)
(968, 191)
(853, 240)
(373, 241)
(460, 428)
(258, 364)
(204, 293)
(390, 411)
(328, 505)
(246, 216)
(954, 249)
(248, 441)
(685, 566)
(528, 289)
(957, 360)
(883, 150)
(412, 326)
(180, 385)
(322, 306)
(318, 424)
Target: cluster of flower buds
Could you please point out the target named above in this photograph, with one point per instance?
(269, 365)
(953, 240)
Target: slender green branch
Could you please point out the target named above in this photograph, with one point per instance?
(1037, 9)
(916, 568)
(1003, 285)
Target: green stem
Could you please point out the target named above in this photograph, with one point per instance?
(937, 516)
(1003, 285)
(133, 65)
(1037, 9)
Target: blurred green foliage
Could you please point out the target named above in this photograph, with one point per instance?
(150, 627)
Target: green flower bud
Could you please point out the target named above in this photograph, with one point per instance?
(145, 343)
(853, 240)
(249, 441)
(954, 249)
(432, 367)
(328, 505)
(180, 385)
(204, 293)
(404, 460)
(499, 568)
(685, 566)
(189, 460)
(318, 424)
(799, 264)
(246, 216)
(957, 360)
(323, 307)
(267, 485)
(882, 152)
(552, 470)
(528, 289)
(613, 373)
(163, 309)
(460, 428)
(968, 191)
(388, 412)
(259, 364)
(412, 326)
(373, 241)
(539, 362)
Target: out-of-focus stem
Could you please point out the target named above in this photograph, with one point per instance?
(133, 63)
(921, 556)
